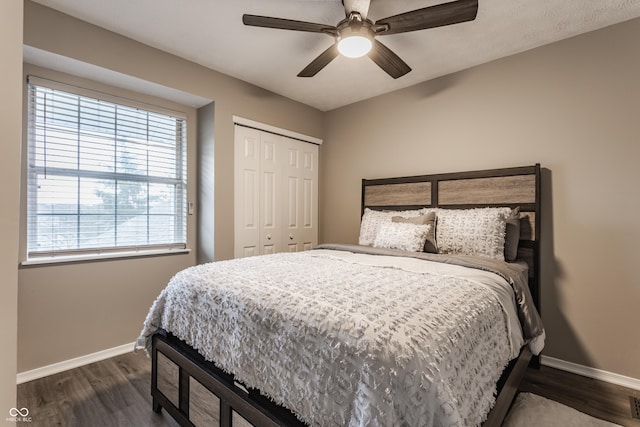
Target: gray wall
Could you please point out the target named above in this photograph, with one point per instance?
(101, 301)
(206, 181)
(571, 106)
(66, 311)
(10, 123)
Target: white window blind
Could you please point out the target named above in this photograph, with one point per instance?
(103, 177)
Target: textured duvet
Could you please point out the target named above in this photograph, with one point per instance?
(349, 339)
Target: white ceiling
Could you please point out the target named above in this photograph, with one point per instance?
(211, 33)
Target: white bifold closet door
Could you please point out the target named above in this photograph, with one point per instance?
(276, 193)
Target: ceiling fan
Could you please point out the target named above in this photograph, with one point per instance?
(355, 35)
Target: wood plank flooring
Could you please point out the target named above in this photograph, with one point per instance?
(115, 392)
(599, 399)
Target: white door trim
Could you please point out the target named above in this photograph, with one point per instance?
(273, 129)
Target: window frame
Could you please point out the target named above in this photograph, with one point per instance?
(180, 214)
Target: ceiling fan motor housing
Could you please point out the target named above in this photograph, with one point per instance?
(355, 36)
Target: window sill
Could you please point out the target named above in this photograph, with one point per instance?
(101, 257)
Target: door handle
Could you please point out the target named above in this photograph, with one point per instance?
(290, 236)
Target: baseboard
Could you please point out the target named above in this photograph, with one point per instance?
(55, 368)
(552, 362)
(594, 373)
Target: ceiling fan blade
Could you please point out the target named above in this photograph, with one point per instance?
(430, 17)
(287, 24)
(388, 61)
(320, 62)
(360, 6)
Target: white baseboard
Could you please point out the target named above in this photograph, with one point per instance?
(594, 373)
(55, 368)
(552, 362)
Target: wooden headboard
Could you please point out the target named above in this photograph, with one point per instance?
(512, 187)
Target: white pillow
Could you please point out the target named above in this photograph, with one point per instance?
(372, 219)
(477, 232)
(403, 236)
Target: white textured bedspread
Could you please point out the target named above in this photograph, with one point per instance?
(347, 339)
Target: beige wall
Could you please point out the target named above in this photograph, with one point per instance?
(66, 311)
(206, 191)
(52, 31)
(572, 106)
(103, 302)
(10, 123)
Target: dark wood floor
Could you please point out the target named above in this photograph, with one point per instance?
(596, 398)
(115, 392)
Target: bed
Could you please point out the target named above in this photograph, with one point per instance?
(422, 323)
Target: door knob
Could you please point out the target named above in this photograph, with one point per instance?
(268, 236)
(290, 236)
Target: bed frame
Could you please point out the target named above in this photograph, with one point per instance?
(240, 406)
(512, 187)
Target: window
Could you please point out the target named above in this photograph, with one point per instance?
(104, 177)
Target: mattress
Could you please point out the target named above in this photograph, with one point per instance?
(356, 336)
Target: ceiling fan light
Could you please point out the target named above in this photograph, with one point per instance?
(355, 37)
(354, 46)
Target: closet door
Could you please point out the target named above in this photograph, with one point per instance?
(275, 193)
(247, 159)
(270, 193)
(300, 231)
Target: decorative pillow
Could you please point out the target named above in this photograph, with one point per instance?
(403, 236)
(477, 232)
(428, 219)
(512, 235)
(372, 219)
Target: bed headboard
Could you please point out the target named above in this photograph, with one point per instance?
(512, 187)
